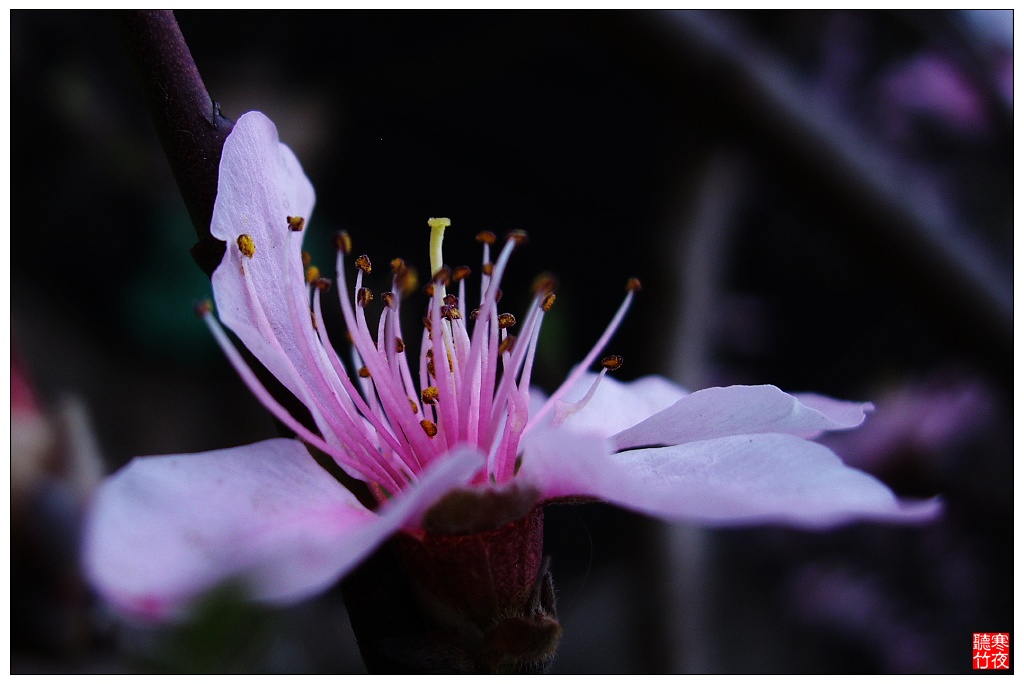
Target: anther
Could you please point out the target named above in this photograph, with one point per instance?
(343, 242)
(507, 344)
(517, 236)
(203, 308)
(474, 314)
(461, 273)
(389, 300)
(548, 302)
(633, 285)
(364, 372)
(428, 289)
(397, 265)
(443, 275)
(451, 300)
(306, 258)
(544, 283)
(450, 313)
(296, 223)
(486, 236)
(430, 369)
(612, 363)
(312, 274)
(363, 264)
(246, 245)
(364, 297)
(429, 395)
(322, 284)
(428, 325)
(399, 345)
(498, 294)
(506, 320)
(429, 427)
(414, 405)
(487, 268)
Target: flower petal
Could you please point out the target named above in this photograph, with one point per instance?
(262, 298)
(165, 529)
(735, 480)
(616, 405)
(741, 409)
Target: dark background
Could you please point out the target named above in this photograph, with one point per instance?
(819, 200)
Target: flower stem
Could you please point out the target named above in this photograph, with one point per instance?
(189, 123)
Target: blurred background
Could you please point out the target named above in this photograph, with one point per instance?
(817, 200)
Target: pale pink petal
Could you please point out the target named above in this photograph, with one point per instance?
(165, 529)
(740, 409)
(262, 298)
(615, 405)
(735, 480)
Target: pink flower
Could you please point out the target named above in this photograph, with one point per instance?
(460, 415)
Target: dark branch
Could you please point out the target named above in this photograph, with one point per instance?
(189, 123)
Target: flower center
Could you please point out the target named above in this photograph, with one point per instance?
(473, 379)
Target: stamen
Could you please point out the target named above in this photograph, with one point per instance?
(632, 286)
(246, 245)
(343, 242)
(429, 427)
(312, 274)
(363, 264)
(613, 362)
(296, 223)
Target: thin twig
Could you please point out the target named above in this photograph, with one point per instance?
(188, 121)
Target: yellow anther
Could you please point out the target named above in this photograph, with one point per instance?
(507, 344)
(343, 242)
(612, 363)
(461, 273)
(437, 226)
(363, 297)
(312, 274)
(548, 302)
(296, 223)
(429, 395)
(486, 237)
(506, 320)
(414, 405)
(363, 264)
(488, 268)
(364, 372)
(246, 245)
(429, 427)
